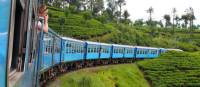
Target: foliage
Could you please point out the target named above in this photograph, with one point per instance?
(83, 25)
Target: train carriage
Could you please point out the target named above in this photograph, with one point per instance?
(57, 50)
(146, 52)
(118, 51)
(92, 49)
(5, 6)
(73, 49)
(105, 50)
(153, 52)
(129, 51)
(47, 51)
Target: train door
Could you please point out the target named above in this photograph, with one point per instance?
(5, 11)
(23, 43)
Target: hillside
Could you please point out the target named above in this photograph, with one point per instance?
(124, 75)
(173, 69)
(83, 26)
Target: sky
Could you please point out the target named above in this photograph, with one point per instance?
(137, 8)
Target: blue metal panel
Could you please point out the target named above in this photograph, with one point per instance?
(105, 55)
(105, 52)
(57, 49)
(140, 54)
(129, 54)
(117, 54)
(73, 56)
(73, 51)
(94, 53)
(4, 29)
(56, 58)
(46, 61)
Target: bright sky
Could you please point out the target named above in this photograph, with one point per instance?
(137, 8)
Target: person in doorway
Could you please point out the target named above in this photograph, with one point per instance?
(43, 13)
(19, 63)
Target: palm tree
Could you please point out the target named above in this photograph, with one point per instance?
(174, 14)
(150, 11)
(126, 14)
(120, 4)
(177, 19)
(191, 17)
(167, 19)
(185, 19)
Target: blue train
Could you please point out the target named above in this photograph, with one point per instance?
(30, 57)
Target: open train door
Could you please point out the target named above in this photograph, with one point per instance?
(5, 14)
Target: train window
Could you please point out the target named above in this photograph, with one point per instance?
(117, 51)
(67, 49)
(88, 50)
(96, 50)
(74, 48)
(78, 49)
(81, 49)
(93, 49)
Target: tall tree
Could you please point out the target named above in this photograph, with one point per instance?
(121, 3)
(98, 6)
(177, 19)
(150, 22)
(191, 18)
(111, 8)
(174, 15)
(167, 19)
(126, 15)
(184, 17)
(150, 11)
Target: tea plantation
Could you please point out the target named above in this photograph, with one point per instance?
(173, 69)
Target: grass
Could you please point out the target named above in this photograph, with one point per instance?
(126, 75)
(173, 69)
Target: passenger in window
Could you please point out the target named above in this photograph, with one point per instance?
(19, 63)
(43, 12)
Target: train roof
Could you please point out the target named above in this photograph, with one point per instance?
(145, 47)
(128, 46)
(71, 39)
(174, 49)
(105, 44)
(94, 43)
(47, 38)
